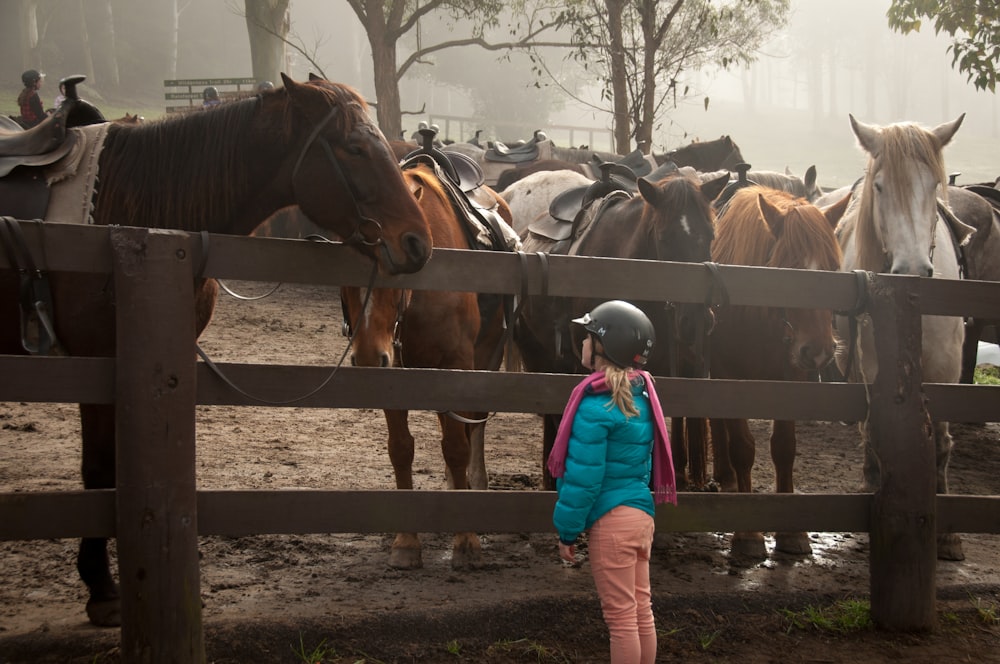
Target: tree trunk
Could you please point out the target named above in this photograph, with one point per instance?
(267, 28)
(109, 51)
(619, 91)
(389, 107)
(29, 33)
(88, 56)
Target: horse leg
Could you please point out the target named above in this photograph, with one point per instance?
(466, 548)
(679, 452)
(783, 458)
(478, 477)
(97, 423)
(405, 552)
(949, 545)
(742, 450)
(696, 430)
(722, 466)
(970, 349)
(550, 425)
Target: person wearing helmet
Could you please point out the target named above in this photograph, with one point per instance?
(264, 86)
(612, 441)
(210, 97)
(32, 109)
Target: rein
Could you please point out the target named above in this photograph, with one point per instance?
(356, 237)
(326, 381)
(38, 334)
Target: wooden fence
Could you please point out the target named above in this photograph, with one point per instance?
(156, 512)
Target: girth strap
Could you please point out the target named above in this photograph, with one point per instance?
(38, 334)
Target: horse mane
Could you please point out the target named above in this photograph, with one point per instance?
(743, 237)
(900, 146)
(186, 171)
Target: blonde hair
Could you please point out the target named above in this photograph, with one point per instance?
(619, 382)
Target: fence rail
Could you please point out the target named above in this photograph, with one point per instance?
(152, 320)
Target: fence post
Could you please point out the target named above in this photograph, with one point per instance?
(903, 559)
(157, 524)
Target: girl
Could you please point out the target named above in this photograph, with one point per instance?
(611, 438)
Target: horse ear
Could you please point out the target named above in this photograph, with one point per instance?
(314, 77)
(772, 215)
(867, 135)
(287, 82)
(945, 132)
(649, 191)
(834, 212)
(711, 189)
(810, 179)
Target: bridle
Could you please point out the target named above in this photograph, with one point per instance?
(357, 237)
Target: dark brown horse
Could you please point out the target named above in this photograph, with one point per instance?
(668, 220)
(769, 228)
(224, 171)
(721, 154)
(432, 329)
(705, 156)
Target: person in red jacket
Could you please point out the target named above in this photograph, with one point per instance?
(32, 110)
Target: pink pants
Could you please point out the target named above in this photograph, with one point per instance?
(619, 545)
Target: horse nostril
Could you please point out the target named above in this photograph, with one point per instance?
(385, 360)
(354, 360)
(416, 248)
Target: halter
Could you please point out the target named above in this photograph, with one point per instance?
(356, 237)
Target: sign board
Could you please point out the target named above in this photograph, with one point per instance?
(204, 82)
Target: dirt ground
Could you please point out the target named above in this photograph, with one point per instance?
(333, 598)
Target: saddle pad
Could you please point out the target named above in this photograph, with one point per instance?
(72, 180)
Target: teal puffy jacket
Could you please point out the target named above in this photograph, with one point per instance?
(608, 463)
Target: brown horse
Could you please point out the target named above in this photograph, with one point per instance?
(721, 154)
(225, 171)
(769, 228)
(668, 220)
(431, 329)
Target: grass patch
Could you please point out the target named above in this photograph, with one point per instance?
(843, 617)
(987, 612)
(986, 374)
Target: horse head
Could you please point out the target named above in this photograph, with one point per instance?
(905, 177)
(771, 228)
(345, 176)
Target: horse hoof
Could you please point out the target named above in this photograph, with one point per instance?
(405, 558)
(949, 547)
(796, 544)
(105, 613)
(467, 555)
(749, 546)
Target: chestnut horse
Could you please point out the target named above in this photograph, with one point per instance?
(769, 228)
(431, 329)
(668, 220)
(224, 171)
(894, 224)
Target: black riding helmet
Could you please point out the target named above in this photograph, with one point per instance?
(624, 331)
(210, 92)
(30, 77)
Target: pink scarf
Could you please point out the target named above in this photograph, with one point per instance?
(664, 485)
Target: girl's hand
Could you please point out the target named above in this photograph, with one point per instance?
(567, 552)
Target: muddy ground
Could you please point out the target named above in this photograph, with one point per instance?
(333, 598)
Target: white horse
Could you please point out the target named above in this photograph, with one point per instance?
(892, 225)
(530, 196)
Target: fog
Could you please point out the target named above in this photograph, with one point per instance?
(845, 49)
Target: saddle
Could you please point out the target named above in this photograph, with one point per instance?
(565, 208)
(464, 181)
(635, 160)
(24, 191)
(734, 186)
(517, 154)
